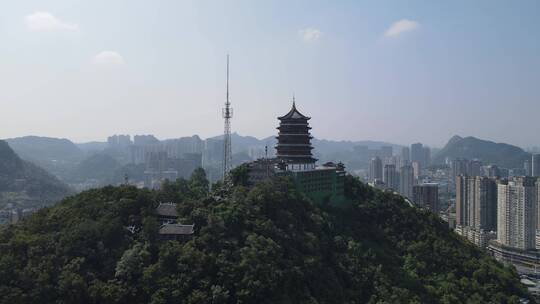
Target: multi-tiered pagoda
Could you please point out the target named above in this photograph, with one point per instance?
(294, 159)
(294, 141)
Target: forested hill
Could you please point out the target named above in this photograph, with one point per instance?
(56, 155)
(501, 154)
(26, 184)
(265, 245)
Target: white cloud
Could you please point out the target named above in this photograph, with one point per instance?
(45, 21)
(108, 57)
(401, 26)
(310, 34)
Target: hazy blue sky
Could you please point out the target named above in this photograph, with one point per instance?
(399, 71)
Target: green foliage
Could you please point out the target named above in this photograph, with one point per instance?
(239, 175)
(198, 183)
(262, 245)
(131, 265)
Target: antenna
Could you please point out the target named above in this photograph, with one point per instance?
(227, 99)
(227, 115)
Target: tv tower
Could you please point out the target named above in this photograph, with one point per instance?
(227, 115)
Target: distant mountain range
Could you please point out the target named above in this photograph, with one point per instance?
(51, 152)
(26, 184)
(74, 163)
(56, 155)
(322, 147)
(500, 154)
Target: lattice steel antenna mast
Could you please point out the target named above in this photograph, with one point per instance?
(227, 115)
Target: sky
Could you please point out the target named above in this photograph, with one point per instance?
(396, 71)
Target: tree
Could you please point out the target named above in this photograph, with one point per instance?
(198, 183)
(131, 265)
(263, 244)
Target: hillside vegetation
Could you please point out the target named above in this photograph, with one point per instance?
(56, 155)
(261, 245)
(501, 154)
(26, 184)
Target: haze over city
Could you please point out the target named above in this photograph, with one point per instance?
(400, 73)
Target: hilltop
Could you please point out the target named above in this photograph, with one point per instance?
(261, 245)
(26, 184)
(56, 155)
(501, 154)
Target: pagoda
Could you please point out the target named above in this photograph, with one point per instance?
(293, 148)
(294, 159)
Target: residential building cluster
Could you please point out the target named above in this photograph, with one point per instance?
(499, 210)
(495, 208)
(405, 174)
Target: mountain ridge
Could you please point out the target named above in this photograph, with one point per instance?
(489, 152)
(26, 184)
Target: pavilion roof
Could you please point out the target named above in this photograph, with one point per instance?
(166, 209)
(177, 229)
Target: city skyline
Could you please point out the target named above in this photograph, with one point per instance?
(400, 74)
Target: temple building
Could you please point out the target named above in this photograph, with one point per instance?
(321, 184)
(170, 229)
(294, 141)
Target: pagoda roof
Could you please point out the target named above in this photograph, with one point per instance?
(294, 114)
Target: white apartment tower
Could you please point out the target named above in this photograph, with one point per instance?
(406, 181)
(390, 177)
(517, 213)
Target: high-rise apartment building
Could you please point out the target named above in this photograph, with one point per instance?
(528, 167)
(517, 213)
(392, 160)
(426, 159)
(492, 171)
(459, 167)
(475, 168)
(375, 169)
(405, 155)
(417, 169)
(466, 167)
(535, 165)
(476, 202)
(417, 153)
(406, 181)
(463, 192)
(538, 203)
(390, 177)
(145, 140)
(119, 142)
(427, 196)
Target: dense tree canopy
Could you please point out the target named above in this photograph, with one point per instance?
(260, 245)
